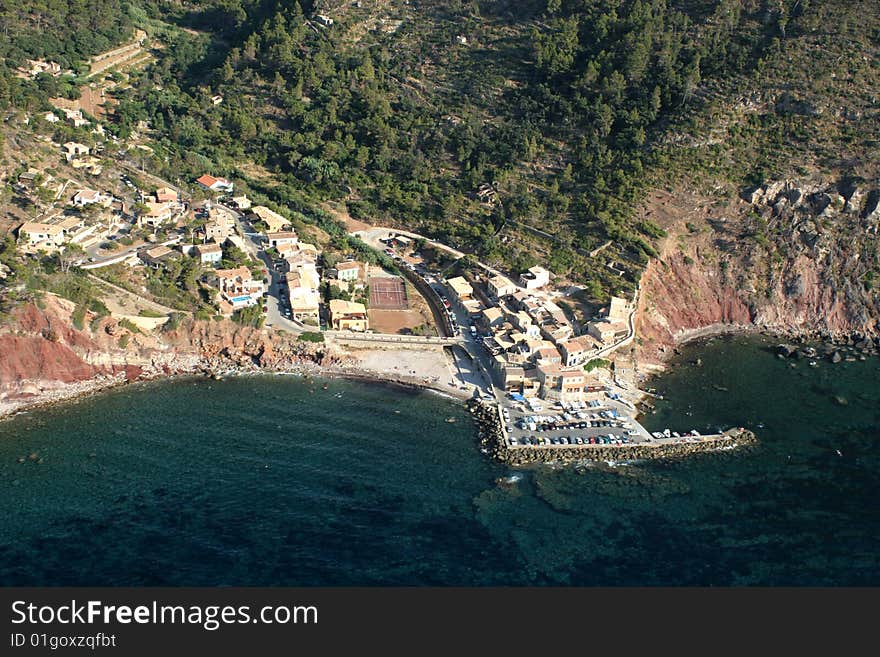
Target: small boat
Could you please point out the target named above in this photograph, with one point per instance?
(450, 420)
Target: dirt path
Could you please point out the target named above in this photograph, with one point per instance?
(110, 58)
(351, 224)
(129, 303)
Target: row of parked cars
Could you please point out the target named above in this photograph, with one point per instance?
(553, 426)
(431, 279)
(608, 439)
(554, 423)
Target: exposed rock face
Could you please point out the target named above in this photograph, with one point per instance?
(45, 357)
(790, 258)
(29, 358)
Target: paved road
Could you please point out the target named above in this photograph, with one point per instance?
(395, 338)
(373, 235)
(472, 359)
(119, 256)
(254, 247)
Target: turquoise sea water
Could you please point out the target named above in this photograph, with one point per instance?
(273, 480)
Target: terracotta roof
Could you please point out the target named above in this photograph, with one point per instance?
(166, 194)
(343, 307)
(230, 274)
(210, 247)
(574, 345)
(155, 208)
(33, 227)
(551, 368)
(548, 352)
(157, 251)
(274, 220)
(88, 194)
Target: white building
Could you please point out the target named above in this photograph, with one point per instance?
(209, 254)
(499, 286)
(348, 271)
(534, 278)
(34, 234)
(282, 237)
(74, 149)
(157, 213)
(215, 184)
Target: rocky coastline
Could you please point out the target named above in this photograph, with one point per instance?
(795, 344)
(215, 367)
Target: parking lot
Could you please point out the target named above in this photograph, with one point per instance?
(571, 424)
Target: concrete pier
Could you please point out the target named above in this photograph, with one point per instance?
(494, 437)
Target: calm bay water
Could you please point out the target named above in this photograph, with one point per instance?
(275, 481)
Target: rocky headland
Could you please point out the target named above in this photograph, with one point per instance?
(788, 258)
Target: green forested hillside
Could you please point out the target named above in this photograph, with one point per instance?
(555, 103)
(568, 109)
(64, 31)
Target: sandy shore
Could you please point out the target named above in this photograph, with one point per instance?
(426, 370)
(429, 369)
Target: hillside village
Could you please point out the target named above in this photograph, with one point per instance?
(80, 201)
(532, 346)
(249, 263)
(277, 191)
(160, 229)
(203, 245)
(246, 257)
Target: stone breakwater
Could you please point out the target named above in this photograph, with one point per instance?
(491, 435)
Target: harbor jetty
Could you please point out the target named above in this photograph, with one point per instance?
(490, 430)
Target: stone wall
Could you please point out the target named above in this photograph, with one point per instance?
(491, 437)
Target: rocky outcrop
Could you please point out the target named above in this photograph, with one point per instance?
(46, 358)
(789, 258)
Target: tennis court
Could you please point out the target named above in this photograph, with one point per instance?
(388, 293)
